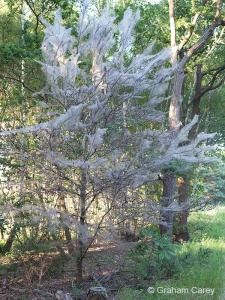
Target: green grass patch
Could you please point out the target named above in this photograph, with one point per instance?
(201, 264)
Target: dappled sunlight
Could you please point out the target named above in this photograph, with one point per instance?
(102, 247)
(214, 244)
(217, 245)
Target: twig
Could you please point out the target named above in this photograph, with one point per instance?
(108, 277)
(23, 290)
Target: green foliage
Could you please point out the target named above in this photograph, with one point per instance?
(178, 168)
(130, 294)
(154, 256)
(209, 181)
(76, 290)
(200, 261)
(32, 244)
(152, 27)
(161, 245)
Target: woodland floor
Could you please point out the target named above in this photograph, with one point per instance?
(105, 263)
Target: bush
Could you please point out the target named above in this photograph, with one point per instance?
(154, 257)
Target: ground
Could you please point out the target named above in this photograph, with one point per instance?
(32, 279)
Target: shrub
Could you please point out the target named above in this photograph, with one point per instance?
(154, 256)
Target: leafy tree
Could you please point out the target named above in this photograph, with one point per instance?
(185, 50)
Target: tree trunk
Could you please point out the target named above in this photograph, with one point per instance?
(183, 193)
(169, 189)
(8, 245)
(81, 247)
(69, 240)
(169, 178)
(97, 293)
(79, 264)
(66, 229)
(184, 183)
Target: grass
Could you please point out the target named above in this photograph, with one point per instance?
(201, 264)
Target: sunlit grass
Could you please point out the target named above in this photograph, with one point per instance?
(201, 261)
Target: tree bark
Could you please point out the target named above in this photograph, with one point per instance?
(168, 178)
(183, 194)
(66, 229)
(184, 182)
(169, 189)
(81, 247)
(8, 245)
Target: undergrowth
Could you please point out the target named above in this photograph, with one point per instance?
(184, 271)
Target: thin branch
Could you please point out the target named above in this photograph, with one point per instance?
(35, 14)
(218, 8)
(172, 23)
(190, 32)
(201, 42)
(20, 81)
(96, 232)
(210, 85)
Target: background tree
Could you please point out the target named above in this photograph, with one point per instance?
(180, 59)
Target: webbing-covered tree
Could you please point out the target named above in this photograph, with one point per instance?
(92, 93)
(95, 140)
